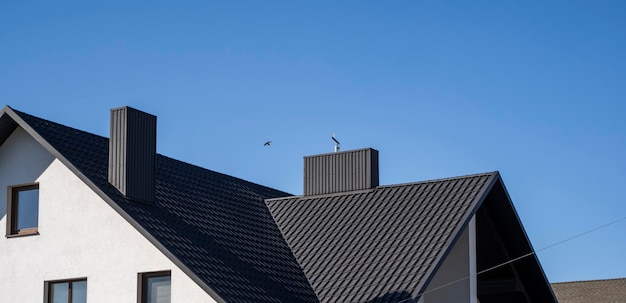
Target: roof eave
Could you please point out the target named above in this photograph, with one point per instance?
(478, 201)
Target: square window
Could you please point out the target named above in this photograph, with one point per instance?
(23, 210)
(155, 287)
(66, 291)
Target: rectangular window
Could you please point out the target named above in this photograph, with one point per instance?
(23, 210)
(154, 287)
(66, 291)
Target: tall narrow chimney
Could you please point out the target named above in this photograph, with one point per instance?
(341, 171)
(132, 153)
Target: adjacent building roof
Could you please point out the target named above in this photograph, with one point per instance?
(596, 291)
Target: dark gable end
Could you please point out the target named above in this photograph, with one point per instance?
(215, 227)
(7, 126)
(500, 238)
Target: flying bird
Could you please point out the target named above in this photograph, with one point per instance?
(268, 143)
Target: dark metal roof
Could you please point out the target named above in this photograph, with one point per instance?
(596, 291)
(214, 226)
(378, 245)
(238, 239)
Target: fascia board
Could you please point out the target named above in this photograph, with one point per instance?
(9, 111)
(478, 201)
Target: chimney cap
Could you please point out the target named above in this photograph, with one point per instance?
(342, 152)
(131, 109)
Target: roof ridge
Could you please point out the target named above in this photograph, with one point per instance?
(22, 114)
(353, 192)
(593, 280)
(440, 179)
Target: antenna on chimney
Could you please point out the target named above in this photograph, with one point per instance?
(336, 143)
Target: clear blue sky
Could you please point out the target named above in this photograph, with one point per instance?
(534, 89)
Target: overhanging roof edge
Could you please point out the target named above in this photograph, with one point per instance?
(480, 198)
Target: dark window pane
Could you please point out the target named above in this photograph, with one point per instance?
(158, 289)
(27, 209)
(79, 292)
(59, 292)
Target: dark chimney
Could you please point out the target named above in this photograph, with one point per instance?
(132, 153)
(341, 171)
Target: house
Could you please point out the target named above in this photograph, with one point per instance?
(93, 219)
(596, 291)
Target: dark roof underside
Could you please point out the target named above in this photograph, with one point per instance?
(500, 238)
(376, 245)
(214, 224)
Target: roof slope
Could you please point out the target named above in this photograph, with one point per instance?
(211, 224)
(596, 291)
(377, 245)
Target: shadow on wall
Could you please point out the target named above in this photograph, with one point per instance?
(22, 161)
(393, 297)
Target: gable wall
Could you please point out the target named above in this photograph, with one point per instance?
(80, 236)
(455, 280)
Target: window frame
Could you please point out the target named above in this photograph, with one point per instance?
(142, 281)
(48, 285)
(12, 200)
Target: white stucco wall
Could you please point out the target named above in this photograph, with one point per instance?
(455, 281)
(80, 236)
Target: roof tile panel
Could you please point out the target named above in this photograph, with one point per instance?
(350, 245)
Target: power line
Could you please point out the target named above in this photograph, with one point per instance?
(582, 234)
(518, 258)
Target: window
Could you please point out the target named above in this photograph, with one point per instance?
(154, 287)
(23, 210)
(66, 291)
